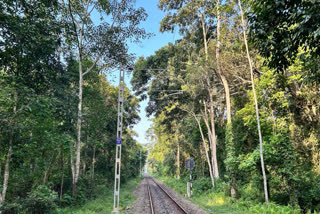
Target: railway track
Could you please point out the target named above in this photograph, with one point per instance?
(172, 205)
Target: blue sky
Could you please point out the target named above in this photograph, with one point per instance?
(146, 48)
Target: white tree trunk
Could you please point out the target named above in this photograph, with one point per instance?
(75, 164)
(206, 151)
(6, 173)
(212, 138)
(224, 82)
(93, 162)
(219, 72)
(204, 33)
(256, 106)
(178, 160)
(79, 122)
(9, 154)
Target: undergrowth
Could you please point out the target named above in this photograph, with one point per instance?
(216, 201)
(103, 204)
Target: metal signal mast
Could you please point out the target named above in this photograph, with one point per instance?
(116, 193)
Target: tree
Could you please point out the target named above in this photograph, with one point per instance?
(279, 29)
(38, 81)
(29, 40)
(104, 43)
(191, 17)
(256, 106)
(177, 96)
(200, 23)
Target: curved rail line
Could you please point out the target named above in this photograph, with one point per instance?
(179, 206)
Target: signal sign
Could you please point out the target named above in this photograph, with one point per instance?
(118, 140)
(190, 164)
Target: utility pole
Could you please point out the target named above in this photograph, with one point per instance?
(116, 193)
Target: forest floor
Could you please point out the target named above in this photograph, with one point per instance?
(103, 204)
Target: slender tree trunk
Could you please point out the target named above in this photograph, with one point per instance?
(225, 86)
(6, 171)
(9, 154)
(93, 162)
(212, 138)
(72, 166)
(227, 93)
(229, 139)
(213, 142)
(62, 172)
(79, 122)
(204, 33)
(61, 185)
(178, 158)
(205, 44)
(206, 151)
(224, 80)
(84, 164)
(256, 106)
(76, 170)
(48, 172)
(75, 167)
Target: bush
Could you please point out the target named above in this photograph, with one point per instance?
(201, 185)
(66, 200)
(40, 200)
(274, 209)
(251, 193)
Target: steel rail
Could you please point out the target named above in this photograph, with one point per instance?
(179, 206)
(150, 198)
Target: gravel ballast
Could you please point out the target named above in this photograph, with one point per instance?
(142, 204)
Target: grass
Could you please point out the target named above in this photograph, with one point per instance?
(103, 204)
(218, 203)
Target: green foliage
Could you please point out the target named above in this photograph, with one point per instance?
(40, 200)
(39, 68)
(38, 103)
(296, 26)
(201, 185)
(104, 201)
(287, 109)
(216, 201)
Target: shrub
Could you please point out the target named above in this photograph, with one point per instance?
(201, 185)
(66, 200)
(251, 193)
(40, 200)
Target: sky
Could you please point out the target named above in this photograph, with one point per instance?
(146, 48)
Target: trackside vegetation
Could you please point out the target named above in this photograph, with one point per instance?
(238, 93)
(58, 110)
(217, 200)
(103, 203)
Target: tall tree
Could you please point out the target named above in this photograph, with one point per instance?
(104, 43)
(256, 104)
(279, 29)
(193, 17)
(29, 39)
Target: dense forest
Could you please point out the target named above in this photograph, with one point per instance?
(57, 109)
(238, 93)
